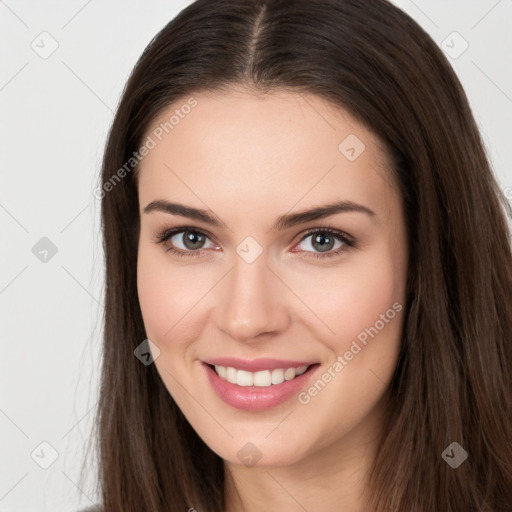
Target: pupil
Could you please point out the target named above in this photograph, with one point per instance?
(321, 239)
(192, 240)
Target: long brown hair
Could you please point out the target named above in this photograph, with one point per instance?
(453, 379)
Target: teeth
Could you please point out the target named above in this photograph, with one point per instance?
(264, 378)
(244, 378)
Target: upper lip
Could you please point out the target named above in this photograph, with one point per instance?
(255, 365)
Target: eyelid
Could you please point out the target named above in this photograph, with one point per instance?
(166, 233)
(327, 229)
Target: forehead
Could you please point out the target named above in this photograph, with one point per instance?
(258, 150)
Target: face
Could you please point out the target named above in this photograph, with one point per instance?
(256, 286)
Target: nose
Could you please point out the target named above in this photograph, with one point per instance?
(252, 302)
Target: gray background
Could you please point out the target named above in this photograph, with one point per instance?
(56, 111)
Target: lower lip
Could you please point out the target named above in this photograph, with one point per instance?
(256, 398)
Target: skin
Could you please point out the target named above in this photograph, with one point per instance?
(250, 158)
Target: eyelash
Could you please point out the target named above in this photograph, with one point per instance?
(164, 235)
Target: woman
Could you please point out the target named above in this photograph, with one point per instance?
(308, 271)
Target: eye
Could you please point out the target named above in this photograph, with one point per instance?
(324, 241)
(185, 241)
(189, 242)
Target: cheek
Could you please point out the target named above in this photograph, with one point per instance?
(352, 298)
(154, 301)
(169, 297)
(370, 320)
(157, 284)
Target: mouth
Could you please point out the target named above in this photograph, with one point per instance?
(261, 389)
(262, 378)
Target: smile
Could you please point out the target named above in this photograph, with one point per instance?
(258, 385)
(262, 378)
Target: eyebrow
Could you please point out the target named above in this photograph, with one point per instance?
(283, 222)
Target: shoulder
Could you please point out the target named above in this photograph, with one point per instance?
(94, 508)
